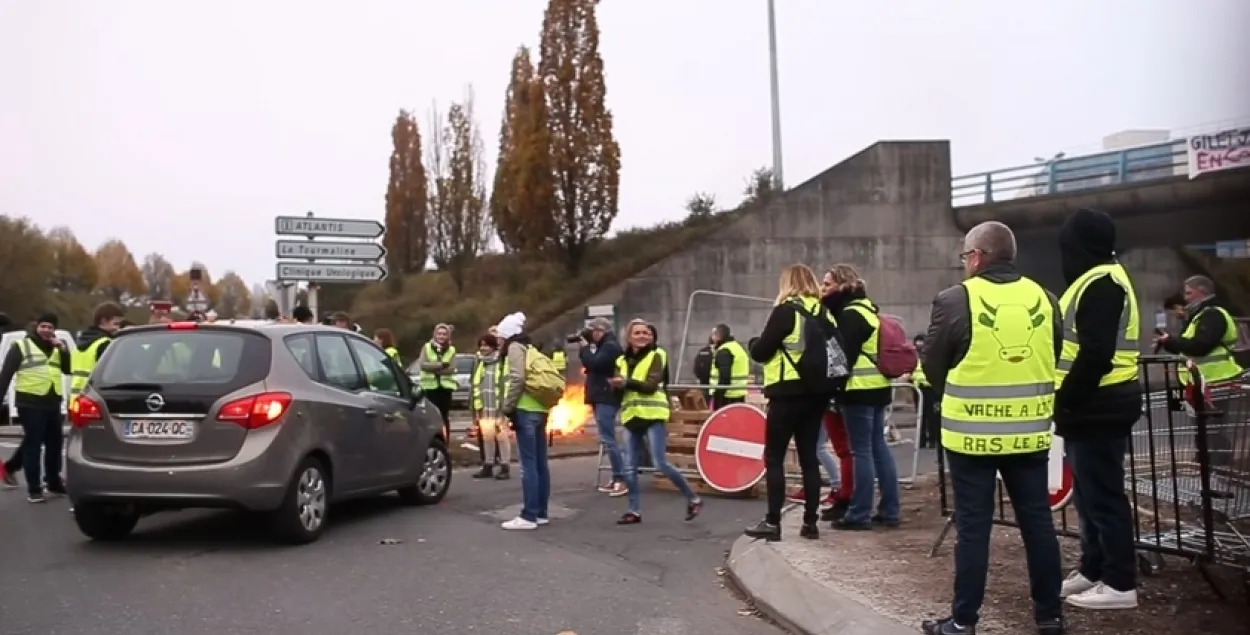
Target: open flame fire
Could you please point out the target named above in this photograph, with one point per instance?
(572, 413)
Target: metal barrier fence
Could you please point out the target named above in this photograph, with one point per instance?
(1187, 474)
(1060, 175)
(675, 391)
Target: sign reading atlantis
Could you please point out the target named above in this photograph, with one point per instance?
(327, 227)
(330, 272)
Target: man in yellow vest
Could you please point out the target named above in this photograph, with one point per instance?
(1098, 400)
(731, 369)
(1209, 335)
(36, 365)
(105, 322)
(990, 354)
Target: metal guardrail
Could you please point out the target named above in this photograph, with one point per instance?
(1072, 174)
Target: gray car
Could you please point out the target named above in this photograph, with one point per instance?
(274, 418)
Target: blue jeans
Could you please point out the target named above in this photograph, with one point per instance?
(657, 438)
(824, 454)
(531, 442)
(605, 422)
(865, 425)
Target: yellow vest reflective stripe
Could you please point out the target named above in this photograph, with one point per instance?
(1218, 365)
(1000, 397)
(739, 371)
(394, 354)
(1127, 351)
(430, 381)
(865, 376)
(501, 382)
(635, 405)
(38, 373)
(779, 367)
(557, 358)
(82, 362)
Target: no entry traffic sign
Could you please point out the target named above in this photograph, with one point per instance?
(730, 449)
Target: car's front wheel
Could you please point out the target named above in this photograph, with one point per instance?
(435, 478)
(302, 516)
(101, 521)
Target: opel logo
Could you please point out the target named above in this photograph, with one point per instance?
(155, 402)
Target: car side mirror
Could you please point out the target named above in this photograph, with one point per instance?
(415, 396)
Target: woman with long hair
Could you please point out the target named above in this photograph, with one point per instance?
(385, 339)
(794, 410)
(644, 415)
(863, 403)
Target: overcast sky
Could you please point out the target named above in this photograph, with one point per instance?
(185, 127)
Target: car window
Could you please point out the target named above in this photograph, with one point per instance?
(301, 348)
(463, 364)
(337, 366)
(224, 360)
(379, 370)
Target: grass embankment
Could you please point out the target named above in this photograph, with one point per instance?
(499, 284)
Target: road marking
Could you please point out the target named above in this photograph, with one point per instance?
(735, 447)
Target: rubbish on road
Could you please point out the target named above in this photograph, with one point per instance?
(470, 446)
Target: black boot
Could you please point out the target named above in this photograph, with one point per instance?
(835, 512)
(764, 530)
(503, 474)
(809, 531)
(487, 471)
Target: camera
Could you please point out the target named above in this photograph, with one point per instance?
(583, 334)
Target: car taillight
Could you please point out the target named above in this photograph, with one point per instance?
(257, 410)
(182, 326)
(82, 411)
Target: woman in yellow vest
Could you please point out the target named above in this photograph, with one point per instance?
(385, 339)
(794, 412)
(864, 402)
(486, 392)
(438, 373)
(644, 415)
(529, 420)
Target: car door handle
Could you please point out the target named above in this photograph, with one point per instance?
(371, 412)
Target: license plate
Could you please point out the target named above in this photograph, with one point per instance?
(162, 429)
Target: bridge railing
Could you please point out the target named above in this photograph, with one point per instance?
(1071, 174)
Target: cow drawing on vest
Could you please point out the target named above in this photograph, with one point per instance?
(1015, 332)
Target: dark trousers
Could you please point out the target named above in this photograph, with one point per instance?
(1107, 551)
(797, 418)
(41, 434)
(930, 432)
(719, 401)
(1024, 477)
(441, 398)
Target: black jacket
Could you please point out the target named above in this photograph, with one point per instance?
(13, 359)
(855, 333)
(769, 343)
(1208, 334)
(1085, 411)
(600, 363)
(703, 365)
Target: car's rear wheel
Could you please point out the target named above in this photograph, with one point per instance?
(435, 479)
(101, 521)
(302, 516)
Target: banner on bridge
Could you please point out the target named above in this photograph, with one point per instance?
(1227, 150)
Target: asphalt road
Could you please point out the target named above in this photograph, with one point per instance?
(453, 571)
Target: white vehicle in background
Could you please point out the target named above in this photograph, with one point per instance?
(8, 342)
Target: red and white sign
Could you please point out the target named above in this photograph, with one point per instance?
(1059, 476)
(1227, 150)
(730, 449)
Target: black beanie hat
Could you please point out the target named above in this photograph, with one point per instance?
(47, 318)
(1093, 230)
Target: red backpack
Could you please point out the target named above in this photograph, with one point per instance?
(896, 355)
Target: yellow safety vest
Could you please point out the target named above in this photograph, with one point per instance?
(430, 381)
(663, 358)
(918, 378)
(739, 372)
(557, 358)
(779, 367)
(635, 405)
(38, 373)
(82, 362)
(865, 376)
(1124, 363)
(1000, 397)
(501, 381)
(394, 354)
(1218, 365)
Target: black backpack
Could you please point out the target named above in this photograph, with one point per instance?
(822, 365)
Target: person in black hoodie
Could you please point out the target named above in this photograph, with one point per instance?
(598, 354)
(91, 341)
(794, 411)
(39, 413)
(703, 367)
(1098, 401)
(863, 403)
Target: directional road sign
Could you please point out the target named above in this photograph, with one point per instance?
(327, 227)
(729, 452)
(326, 250)
(325, 272)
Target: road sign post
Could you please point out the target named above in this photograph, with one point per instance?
(729, 452)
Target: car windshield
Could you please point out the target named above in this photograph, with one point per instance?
(204, 357)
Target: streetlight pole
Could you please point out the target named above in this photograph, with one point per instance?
(778, 181)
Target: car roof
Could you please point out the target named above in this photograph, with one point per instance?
(273, 330)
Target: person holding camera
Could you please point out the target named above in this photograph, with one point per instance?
(598, 354)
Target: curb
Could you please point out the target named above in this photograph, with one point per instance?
(798, 603)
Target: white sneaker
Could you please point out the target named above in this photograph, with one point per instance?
(1075, 584)
(1104, 597)
(543, 521)
(618, 489)
(519, 524)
